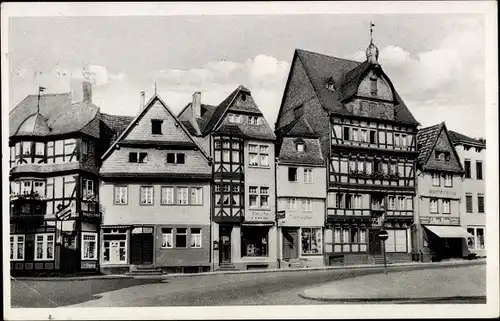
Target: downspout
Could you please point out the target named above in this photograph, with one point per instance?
(278, 234)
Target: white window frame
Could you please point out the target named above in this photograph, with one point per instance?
(307, 205)
(313, 231)
(122, 198)
(431, 207)
(402, 203)
(14, 245)
(148, 197)
(446, 210)
(165, 195)
(165, 236)
(436, 179)
(197, 238)
(84, 241)
(88, 188)
(291, 203)
(308, 175)
(45, 243)
(391, 203)
(448, 180)
(263, 193)
(182, 195)
(197, 192)
(260, 153)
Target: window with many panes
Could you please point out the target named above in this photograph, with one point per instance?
(258, 155)
(448, 180)
(182, 195)
(291, 203)
(306, 204)
(167, 238)
(308, 175)
(89, 246)
(446, 207)
(44, 247)
(17, 247)
(436, 179)
(434, 205)
(312, 240)
(121, 195)
(146, 195)
(196, 238)
(259, 196)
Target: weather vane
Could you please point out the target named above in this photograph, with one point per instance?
(371, 31)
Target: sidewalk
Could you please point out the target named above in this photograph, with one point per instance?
(411, 265)
(414, 285)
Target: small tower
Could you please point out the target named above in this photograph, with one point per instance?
(372, 50)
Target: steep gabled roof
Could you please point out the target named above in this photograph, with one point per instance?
(311, 155)
(427, 139)
(346, 75)
(458, 138)
(220, 110)
(185, 115)
(138, 118)
(297, 128)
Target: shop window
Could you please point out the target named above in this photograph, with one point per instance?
(254, 241)
(196, 238)
(312, 242)
(167, 238)
(146, 195)
(480, 204)
(471, 240)
(468, 203)
(181, 238)
(44, 247)
(89, 246)
(292, 174)
(480, 238)
(167, 195)
(121, 195)
(114, 245)
(17, 247)
(467, 168)
(479, 170)
(434, 205)
(397, 241)
(156, 126)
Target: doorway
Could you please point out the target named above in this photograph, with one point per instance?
(225, 244)
(141, 246)
(290, 243)
(374, 242)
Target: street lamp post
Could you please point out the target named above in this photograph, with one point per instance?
(383, 235)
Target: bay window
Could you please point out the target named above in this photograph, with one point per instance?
(44, 247)
(312, 242)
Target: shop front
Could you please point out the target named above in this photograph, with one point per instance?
(301, 239)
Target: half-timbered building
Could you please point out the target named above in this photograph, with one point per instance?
(155, 195)
(54, 212)
(437, 231)
(241, 143)
(368, 136)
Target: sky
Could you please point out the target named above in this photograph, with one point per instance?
(435, 61)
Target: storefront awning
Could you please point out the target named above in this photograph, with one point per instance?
(448, 231)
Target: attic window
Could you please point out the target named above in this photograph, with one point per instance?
(373, 86)
(330, 84)
(447, 156)
(243, 97)
(156, 126)
(300, 147)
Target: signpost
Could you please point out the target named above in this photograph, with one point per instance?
(383, 235)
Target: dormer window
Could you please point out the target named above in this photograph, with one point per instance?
(243, 97)
(330, 84)
(232, 118)
(300, 147)
(253, 120)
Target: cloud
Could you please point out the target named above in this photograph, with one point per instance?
(99, 75)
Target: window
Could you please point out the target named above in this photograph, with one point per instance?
(146, 195)
(196, 196)
(347, 132)
(196, 238)
(167, 195)
(312, 241)
(396, 140)
(480, 238)
(39, 149)
(434, 205)
(39, 188)
(254, 241)
(259, 197)
(17, 247)
(156, 126)
(132, 157)
(253, 194)
(89, 245)
(373, 135)
(447, 156)
(121, 194)
(114, 245)
(448, 180)
(467, 168)
(182, 195)
(308, 175)
(176, 158)
(479, 170)
(340, 200)
(468, 203)
(264, 155)
(232, 118)
(167, 238)
(236, 156)
(357, 201)
(446, 207)
(397, 241)
(355, 134)
(466, 148)
(471, 240)
(264, 197)
(300, 147)
(258, 155)
(84, 147)
(307, 205)
(291, 203)
(181, 237)
(391, 203)
(88, 188)
(292, 174)
(253, 155)
(364, 136)
(26, 187)
(253, 120)
(373, 87)
(480, 204)
(44, 247)
(436, 181)
(402, 203)
(27, 148)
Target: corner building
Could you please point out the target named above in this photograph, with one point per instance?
(241, 143)
(368, 136)
(155, 195)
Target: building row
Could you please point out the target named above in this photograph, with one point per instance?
(216, 188)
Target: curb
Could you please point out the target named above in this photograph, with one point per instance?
(393, 300)
(322, 268)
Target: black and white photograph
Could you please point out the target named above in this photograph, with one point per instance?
(250, 160)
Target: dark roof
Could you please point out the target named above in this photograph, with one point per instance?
(426, 139)
(50, 104)
(345, 74)
(35, 125)
(116, 125)
(297, 128)
(458, 138)
(310, 156)
(219, 111)
(206, 113)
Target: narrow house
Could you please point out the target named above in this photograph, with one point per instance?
(54, 212)
(241, 143)
(437, 231)
(367, 135)
(301, 195)
(155, 195)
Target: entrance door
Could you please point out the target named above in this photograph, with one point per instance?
(290, 243)
(225, 244)
(374, 243)
(141, 248)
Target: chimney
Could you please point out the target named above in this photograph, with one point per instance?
(87, 92)
(196, 105)
(143, 100)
